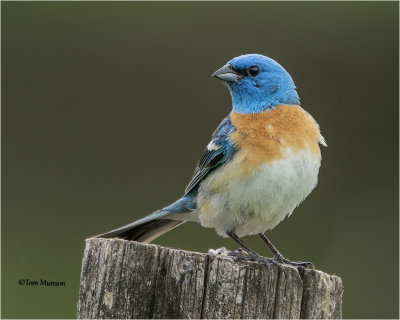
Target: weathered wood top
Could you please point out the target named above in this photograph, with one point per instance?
(126, 279)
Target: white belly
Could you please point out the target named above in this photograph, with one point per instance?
(257, 203)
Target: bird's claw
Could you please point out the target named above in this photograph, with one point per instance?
(281, 259)
(241, 255)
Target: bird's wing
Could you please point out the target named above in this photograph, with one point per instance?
(219, 151)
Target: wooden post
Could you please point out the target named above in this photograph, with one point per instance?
(126, 279)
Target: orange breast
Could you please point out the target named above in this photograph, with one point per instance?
(266, 136)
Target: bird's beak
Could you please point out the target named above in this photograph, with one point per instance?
(226, 73)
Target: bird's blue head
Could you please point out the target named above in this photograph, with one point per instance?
(257, 83)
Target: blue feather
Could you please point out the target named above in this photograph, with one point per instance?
(223, 151)
(272, 86)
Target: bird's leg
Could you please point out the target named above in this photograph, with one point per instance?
(234, 237)
(279, 257)
(252, 254)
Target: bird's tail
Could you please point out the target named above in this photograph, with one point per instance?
(157, 223)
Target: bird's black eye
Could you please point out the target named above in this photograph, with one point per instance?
(253, 71)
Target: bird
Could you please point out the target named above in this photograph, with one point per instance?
(262, 161)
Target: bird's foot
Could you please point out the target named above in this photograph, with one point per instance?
(281, 259)
(253, 256)
(269, 261)
(240, 254)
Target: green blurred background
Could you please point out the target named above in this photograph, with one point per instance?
(107, 106)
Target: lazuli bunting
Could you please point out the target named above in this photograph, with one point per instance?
(261, 163)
